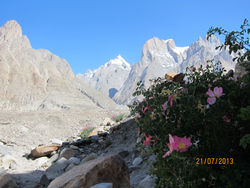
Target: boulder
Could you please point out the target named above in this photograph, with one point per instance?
(57, 168)
(111, 168)
(137, 161)
(42, 151)
(67, 153)
(103, 185)
(147, 182)
(6, 181)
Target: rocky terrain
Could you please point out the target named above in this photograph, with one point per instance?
(112, 139)
(40, 100)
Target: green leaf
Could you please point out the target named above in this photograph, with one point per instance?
(245, 140)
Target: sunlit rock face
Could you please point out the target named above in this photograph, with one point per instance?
(33, 79)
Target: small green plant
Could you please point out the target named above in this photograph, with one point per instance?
(85, 132)
(117, 118)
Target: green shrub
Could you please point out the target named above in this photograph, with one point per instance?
(212, 111)
(117, 118)
(85, 132)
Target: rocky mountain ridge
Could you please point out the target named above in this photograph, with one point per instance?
(33, 79)
(162, 56)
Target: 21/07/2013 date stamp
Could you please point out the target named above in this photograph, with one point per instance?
(214, 161)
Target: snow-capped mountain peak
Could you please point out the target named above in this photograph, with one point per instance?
(109, 77)
(118, 61)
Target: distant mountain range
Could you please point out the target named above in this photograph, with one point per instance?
(37, 80)
(33, 79)
(158, 58)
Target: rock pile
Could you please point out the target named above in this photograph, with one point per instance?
(109, 158)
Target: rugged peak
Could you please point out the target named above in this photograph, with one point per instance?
(153, 43)
(120, 61)
(152, 46)
(11, 34)
(170, 43)
(11, 29)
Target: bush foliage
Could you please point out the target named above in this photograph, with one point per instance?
(212, 110)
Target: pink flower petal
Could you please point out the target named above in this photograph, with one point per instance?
(167, 153)
(165, 105)
(211, 100)
(147, 140)
(210, 93)
(218, 91)
(170, 99)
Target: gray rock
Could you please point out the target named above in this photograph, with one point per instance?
(6, 181)
(44, 181)
(57, 168)
(72, 165)
(89, 158)
(137, 161)
(94, 138)
(67, 153)
(74, 160)
(124, 153)
(103, 185)
(74, 147)
(147, 182)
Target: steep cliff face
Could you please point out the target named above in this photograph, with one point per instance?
(163, 56)
(37, 79)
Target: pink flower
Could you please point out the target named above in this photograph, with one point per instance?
(181, 144)
(178, 144)
(226, 119)
(217, 93)
(170, 99)
(210, 93)
(147, 140)
(165, 105)
(144, 108)
(170, 145)
(211, 100)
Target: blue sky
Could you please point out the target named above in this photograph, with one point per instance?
(88, 33)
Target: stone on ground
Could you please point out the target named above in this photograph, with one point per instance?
(110, 168)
